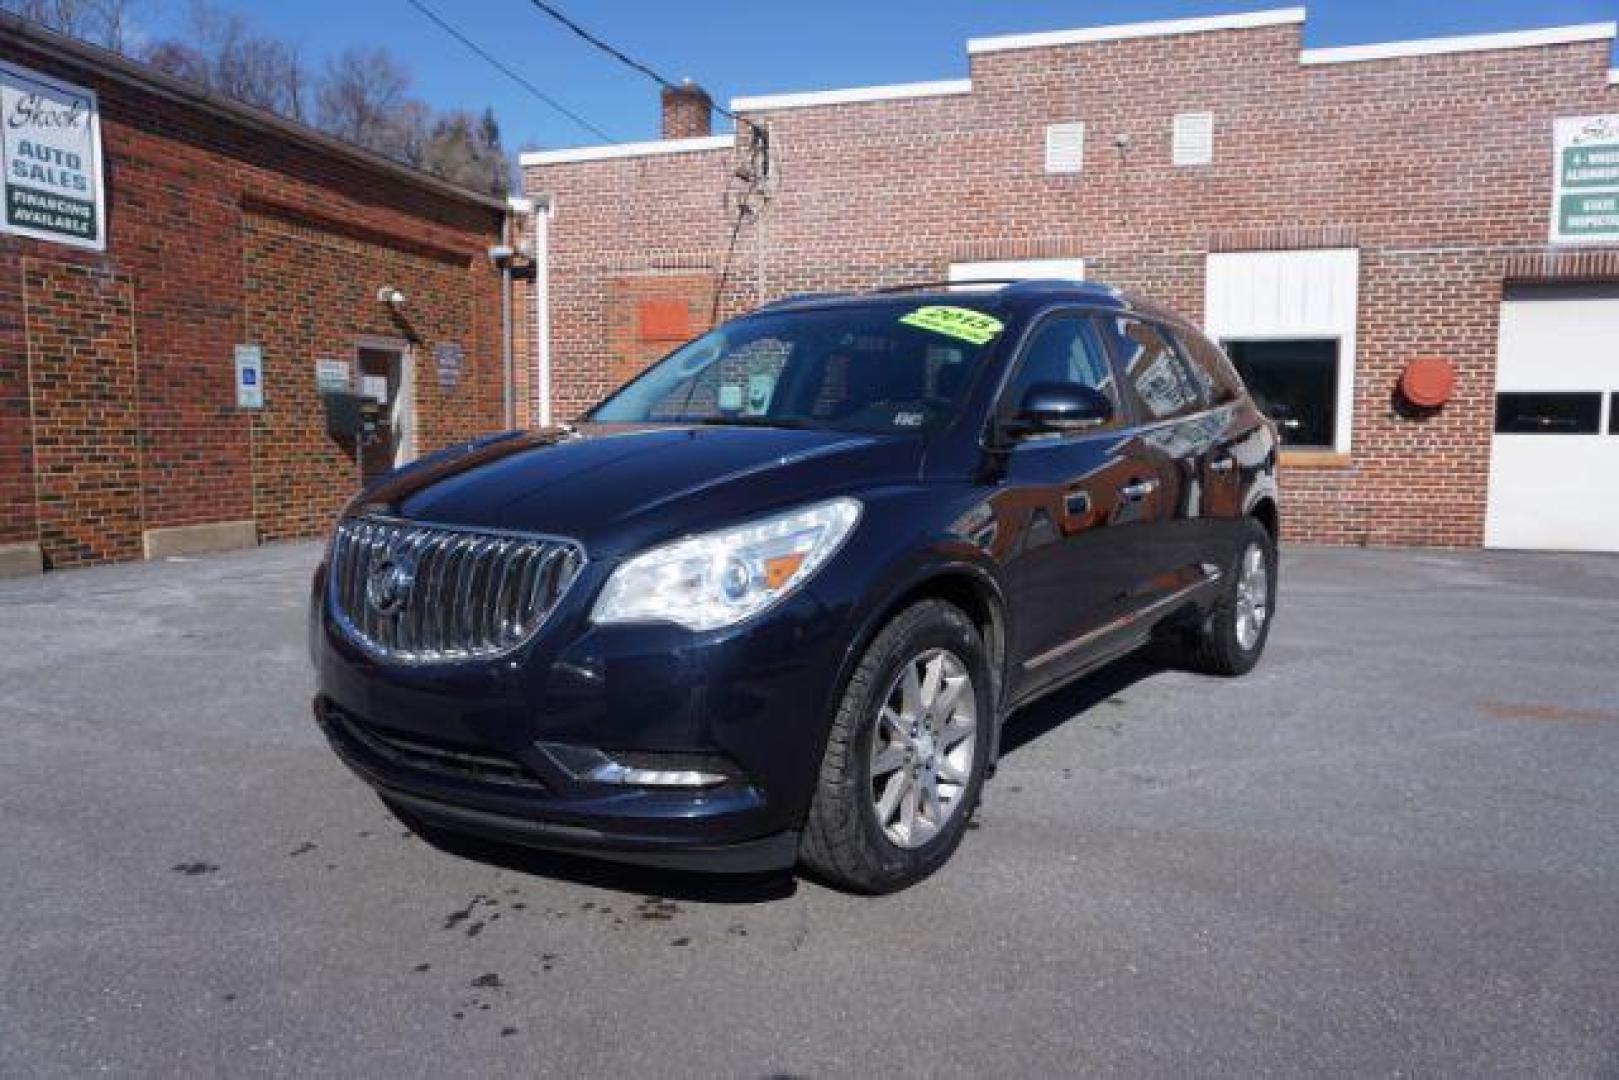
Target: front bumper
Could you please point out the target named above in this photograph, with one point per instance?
(764, 855)
(464, 745)
(480, 794)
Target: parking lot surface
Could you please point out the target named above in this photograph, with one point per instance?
(1394, 847)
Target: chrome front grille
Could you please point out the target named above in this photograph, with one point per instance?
(425, 594)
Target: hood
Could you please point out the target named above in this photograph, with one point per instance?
(617, 489)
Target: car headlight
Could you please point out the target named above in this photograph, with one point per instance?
(720, 578)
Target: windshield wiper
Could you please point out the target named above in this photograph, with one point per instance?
(749, 421)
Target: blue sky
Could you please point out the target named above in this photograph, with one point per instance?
(762, 46)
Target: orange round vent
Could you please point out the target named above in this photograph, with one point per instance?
(1428, 381)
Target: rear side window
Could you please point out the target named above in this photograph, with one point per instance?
(1209, 365)
(1155, 375)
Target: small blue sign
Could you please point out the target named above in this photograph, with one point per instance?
(249, 377)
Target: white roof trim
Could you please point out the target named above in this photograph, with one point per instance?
(1246, 20)
(1514, 39)
(851, 95)
(1613, 77)
(624, 150)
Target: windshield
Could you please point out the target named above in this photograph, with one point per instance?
(901, 366)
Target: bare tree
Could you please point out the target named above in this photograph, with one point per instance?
(362, 95)
(358, 96)
(250, 66)
(100, 22)
(178, 59)
(226, 54)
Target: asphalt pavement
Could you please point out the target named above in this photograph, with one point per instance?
(1394, 848)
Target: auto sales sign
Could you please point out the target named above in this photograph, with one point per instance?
(50, 148)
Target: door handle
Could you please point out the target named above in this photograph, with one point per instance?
(1139, 489)
(1222, 464)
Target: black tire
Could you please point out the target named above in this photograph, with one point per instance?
(843, 841)
(1216, 647)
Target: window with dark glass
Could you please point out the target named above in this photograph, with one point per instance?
(1064, 349)
(1550, 413)
(862, 368)
(1210, 367)
(1295, 383)
(1613, 414)
(1156, 375)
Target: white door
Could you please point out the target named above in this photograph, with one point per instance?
(1554, 457)
(388, 374)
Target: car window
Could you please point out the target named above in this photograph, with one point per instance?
(1062, 349)
(742, 382)
(1156, 377)
(1210, 367)
(889, 366)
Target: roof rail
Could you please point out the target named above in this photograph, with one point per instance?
(1042, 284)
(798, 298)
(916, 286)
(1021, 285)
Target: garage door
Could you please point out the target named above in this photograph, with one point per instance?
(1554, 459)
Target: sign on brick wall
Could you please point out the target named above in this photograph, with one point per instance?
(249, 377)
(447, 356)
(1585, 195)
(50, 150)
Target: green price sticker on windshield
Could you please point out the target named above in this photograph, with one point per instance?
(961, 323)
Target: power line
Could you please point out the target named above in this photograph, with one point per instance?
(508, 72)
(724, 276)
(756, 176)
(636, 65)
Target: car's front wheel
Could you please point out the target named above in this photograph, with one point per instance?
(905, 758)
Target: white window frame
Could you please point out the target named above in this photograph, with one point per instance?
(1284, 295)
(1189, 126)
(1055, 133)
(1044, 269)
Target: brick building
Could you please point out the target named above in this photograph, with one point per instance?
(206, 227)
(1411, 248)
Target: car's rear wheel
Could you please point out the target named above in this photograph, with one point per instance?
(905, 758)
(1233, 635)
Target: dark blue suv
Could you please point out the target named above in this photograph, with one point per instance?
(771, 601)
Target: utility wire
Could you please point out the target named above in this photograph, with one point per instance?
(756, 176)
(630, 61)
(508, 72)
(724, 276)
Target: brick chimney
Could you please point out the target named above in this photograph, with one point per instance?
(688, 111)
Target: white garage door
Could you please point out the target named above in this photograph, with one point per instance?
(1554, 461)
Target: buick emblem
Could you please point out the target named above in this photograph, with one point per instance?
(389, 584)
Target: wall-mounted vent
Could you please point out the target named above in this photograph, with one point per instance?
(1194, 138)
(1065, 148)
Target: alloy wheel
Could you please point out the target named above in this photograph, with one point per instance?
(1253, 596)
(922, 747)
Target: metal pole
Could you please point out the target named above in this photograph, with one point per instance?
(508, 398)
(542, 304)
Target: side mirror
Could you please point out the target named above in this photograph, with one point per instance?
(1059, 408)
